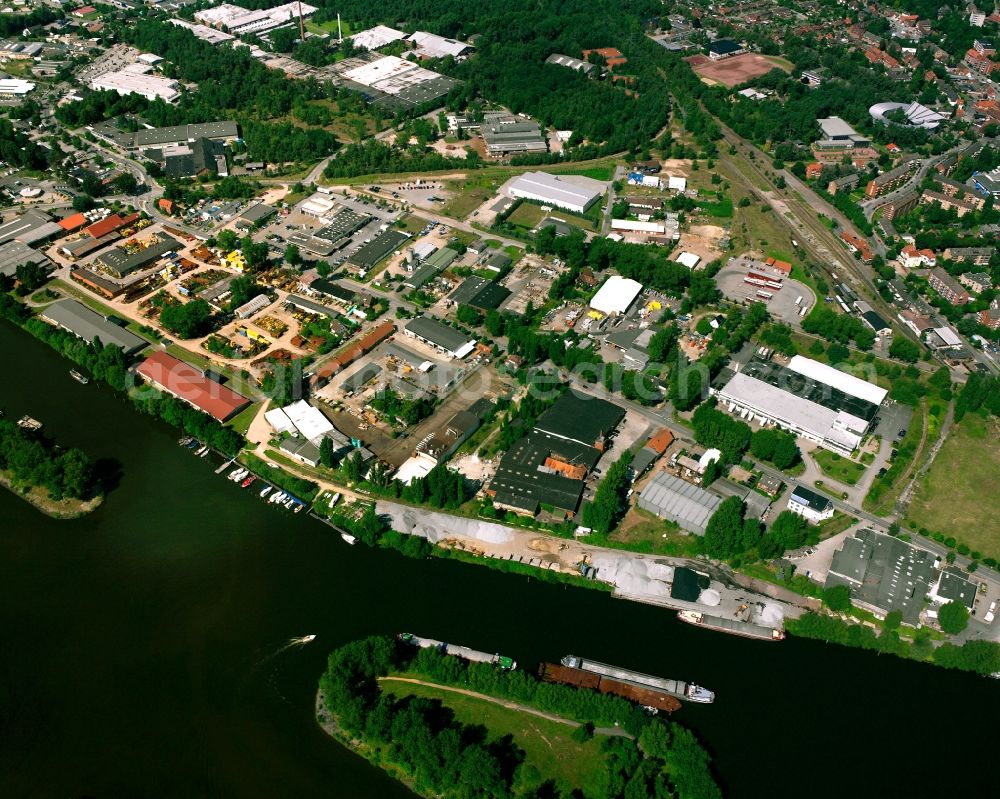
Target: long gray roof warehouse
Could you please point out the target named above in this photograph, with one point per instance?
(79, 320)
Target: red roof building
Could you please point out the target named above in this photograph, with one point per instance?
(110, 224)
(661, 441)
(74, 222)
(191, 386)
(814, 170)
(165, 205)
(781, 266)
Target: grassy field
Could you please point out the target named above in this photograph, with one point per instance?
(782, 63)
(465, 199)
(642, 531)
(413, 223)
(548, 745)
(838, 467)
(527, 216)
(957, 496)
(597, 172)
(241, 422)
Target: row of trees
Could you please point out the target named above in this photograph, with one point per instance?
(981, 657)
(603, 513)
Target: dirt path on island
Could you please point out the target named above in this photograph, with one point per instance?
(507, 704)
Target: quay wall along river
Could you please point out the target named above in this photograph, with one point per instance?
(147, 647)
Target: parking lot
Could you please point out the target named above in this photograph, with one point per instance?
(782, 304)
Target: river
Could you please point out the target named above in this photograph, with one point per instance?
(141, 646)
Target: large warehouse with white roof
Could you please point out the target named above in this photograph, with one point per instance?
(616, 295)
(576, 195)
(809, 398)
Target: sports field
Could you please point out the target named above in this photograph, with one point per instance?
(732, 71)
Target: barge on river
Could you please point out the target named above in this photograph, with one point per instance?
(654, 699)
(682, 690)
(472, 655)
(735, 627)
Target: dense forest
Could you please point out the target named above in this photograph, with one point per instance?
(33, 461)
(18, 150)
(444, 757)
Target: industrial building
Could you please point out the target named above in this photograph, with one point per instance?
(378, 248)
(679, 501)
(374, 38)
(809, 398)
(203, 32)
(84, 323)
(240, 21)
(546, 468)
(224, 130)
(581, 418)
(394, 82)
(14, 254)
(31, 227)
(448, 340)
(188, 384)
(14, 87)
(507, 134)
(616, 295)
(884, 574)
(120, 263)
(134, 79)
(480, 293)
(575, 195)
(430, 45)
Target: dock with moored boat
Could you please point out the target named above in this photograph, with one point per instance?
(734, 626)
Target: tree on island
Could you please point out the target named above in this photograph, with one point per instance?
(953, 617)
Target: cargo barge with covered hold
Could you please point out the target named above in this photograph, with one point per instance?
(688, 692)
(653, 699)
(472, 655)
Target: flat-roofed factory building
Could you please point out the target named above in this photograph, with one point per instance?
(576, 195)
(809, 398)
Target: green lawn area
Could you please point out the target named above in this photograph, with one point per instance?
(241, 422)
(782, 63)
(193, 358)
(548, 745)
(465, 199)
(330, 26)
(526, 215)
(838, 467)
(413, 223)
(595, 172)
(958, 495)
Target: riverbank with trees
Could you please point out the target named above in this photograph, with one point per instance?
(421, 735)
(61, 483)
